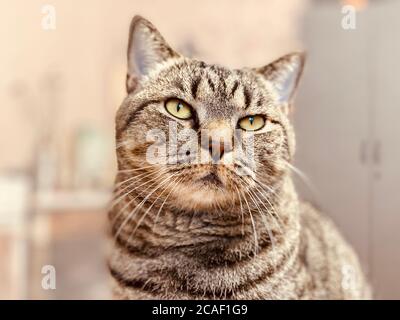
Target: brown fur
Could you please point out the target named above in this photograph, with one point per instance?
(178, 232)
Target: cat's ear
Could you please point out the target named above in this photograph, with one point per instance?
(284, 74)
(146, 49)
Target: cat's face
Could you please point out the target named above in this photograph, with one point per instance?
(199, 135)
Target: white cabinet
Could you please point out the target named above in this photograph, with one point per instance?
(385, 223)
(346, 120)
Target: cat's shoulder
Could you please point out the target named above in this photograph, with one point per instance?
(312, 216)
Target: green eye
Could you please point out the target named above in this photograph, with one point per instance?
(178, 109)
(252, 123)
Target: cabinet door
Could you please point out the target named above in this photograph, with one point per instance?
(332, 123)
(385, 87)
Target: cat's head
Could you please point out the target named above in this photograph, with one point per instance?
(202, 135)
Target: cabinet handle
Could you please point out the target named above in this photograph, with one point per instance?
(377, 153)
(363, 152)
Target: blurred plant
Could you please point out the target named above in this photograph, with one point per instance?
(42, 116)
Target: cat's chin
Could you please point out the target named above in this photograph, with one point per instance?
(204, 194)
(204, 199)
(208, 188)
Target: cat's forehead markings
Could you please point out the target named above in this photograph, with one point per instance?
(211, 84)
(204, 82)
(247, 93)
(209, 80)
(235, 86)
(179, 85)
(194, 86)
(241, 94)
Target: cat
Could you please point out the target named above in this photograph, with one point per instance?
(216, 229)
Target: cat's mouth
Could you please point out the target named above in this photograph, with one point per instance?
(211, 178)
(207, 187)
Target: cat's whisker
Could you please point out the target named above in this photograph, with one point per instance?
(278, 223)
(133, 170)
(121, 197)
(248, 190)
(149, 208)
(303, 177)
(262, 192)
(241, 208)
(130, 215)
(176, 181)
(142, 176)
(266, 208)
(253, 225)
(139, 193)
(258, 181)
(140, 205)
(264, 196)
(255, 234)
(117, 185)
(275, 214)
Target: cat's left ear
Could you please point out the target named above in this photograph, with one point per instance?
(146, 49)
(284, 74)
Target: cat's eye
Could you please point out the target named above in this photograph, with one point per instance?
(252, 123)
(178, 109)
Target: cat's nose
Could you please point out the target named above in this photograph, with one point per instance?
(216, 138)
(216, 149)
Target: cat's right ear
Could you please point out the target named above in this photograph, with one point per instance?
(146, 49)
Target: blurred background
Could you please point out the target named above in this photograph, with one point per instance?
(62, 79)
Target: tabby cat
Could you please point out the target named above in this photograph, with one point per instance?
(189, 229)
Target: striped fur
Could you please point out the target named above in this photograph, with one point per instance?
(236, 237)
